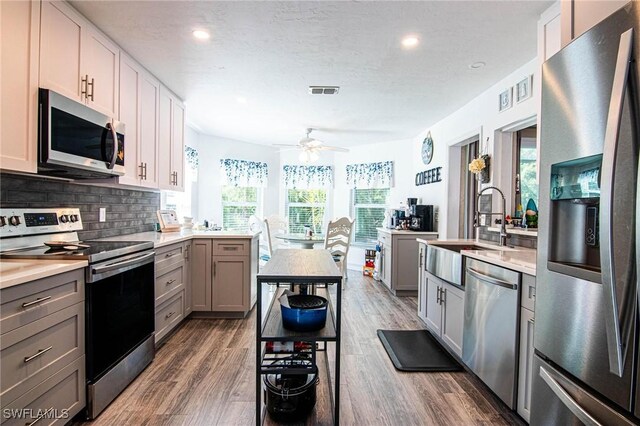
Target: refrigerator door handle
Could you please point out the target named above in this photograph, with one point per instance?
(567, 400)
(612, 316)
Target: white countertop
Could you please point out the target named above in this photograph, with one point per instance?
(161, 239)
(19, 271)
(516, 258)
(405, 232)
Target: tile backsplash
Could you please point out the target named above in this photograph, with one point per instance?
(128, 210)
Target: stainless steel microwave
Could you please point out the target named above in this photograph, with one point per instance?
(76, 141)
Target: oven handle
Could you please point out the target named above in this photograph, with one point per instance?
(123, 264)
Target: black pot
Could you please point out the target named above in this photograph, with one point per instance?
(291, 397)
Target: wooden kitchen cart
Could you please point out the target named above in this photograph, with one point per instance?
(317, 270)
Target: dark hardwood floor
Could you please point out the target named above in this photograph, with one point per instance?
(204, 375)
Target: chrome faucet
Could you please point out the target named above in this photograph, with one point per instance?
(503, 227)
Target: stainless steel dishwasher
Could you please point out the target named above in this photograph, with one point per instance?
(490, 337)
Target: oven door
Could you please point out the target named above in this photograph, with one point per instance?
(119, 309)
(76, 140)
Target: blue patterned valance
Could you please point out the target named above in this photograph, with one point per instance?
(191, 154)
(243, 173)
(370, 175)
(308, 177)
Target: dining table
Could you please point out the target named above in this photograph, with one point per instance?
(302, 240)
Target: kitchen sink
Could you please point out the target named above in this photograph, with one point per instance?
(459, 247)
(445, 261)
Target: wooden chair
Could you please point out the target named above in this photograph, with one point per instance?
(337, 240)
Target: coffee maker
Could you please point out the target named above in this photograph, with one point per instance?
(422, 217)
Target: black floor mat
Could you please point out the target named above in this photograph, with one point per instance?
(416, 350)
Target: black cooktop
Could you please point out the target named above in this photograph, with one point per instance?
(96, 252)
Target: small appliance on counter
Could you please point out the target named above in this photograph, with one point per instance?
(422, 218)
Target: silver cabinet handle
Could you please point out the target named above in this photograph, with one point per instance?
(173, 253)
(35, 302)
(443, 296)
(90, 95)
(438, 295)
(83, 85)
(420, 260)
(36, 355)
(170, 282)
(169, 315)
(491, 280)
(567, 400)
(214, 269)
(145, 171)
(612, 320)
(141, 175)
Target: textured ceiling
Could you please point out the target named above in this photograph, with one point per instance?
(270, 52)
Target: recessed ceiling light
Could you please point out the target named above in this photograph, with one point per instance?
(477, 65)
(241, 100)
(410, 41)
(201, 34)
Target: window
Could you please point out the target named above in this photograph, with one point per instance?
(306, 207)
(369, 206)
(182, 202)
(526, 158)
(238, 204)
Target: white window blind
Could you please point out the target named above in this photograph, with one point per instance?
(369, 206)
(238, 204)
(306, 207)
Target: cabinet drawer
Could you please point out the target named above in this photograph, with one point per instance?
(528, 295)
(32, 353)
(169, 315)
(169, 255)
(167, 280)
(25, 303)
(63, 394)
(230, 247)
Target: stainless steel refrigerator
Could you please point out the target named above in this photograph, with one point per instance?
(586, 312)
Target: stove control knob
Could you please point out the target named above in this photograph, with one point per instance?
(73, 217)
(3, 221)
(64, 218)
(14, 220)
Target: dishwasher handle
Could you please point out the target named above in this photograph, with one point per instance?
(491, 280)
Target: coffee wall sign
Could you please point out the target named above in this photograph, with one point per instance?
(429, 176)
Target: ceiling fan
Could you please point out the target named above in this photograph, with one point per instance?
(310, 147)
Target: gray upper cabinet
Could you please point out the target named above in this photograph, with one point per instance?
(399, 266)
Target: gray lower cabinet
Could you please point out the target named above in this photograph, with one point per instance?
(399, 263)
(171, 287)
(525, 364)
(42, 364)
(201, 275)
(224, 276)
(444, 314)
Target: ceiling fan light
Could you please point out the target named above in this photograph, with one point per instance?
(304, 157)
(313, 156)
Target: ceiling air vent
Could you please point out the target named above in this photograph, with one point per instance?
(323, 90)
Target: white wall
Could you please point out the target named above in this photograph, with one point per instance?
(478, 117)
(211, 149)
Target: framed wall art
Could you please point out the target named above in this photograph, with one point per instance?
(505, 99)
(523, 88)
